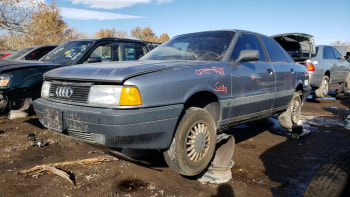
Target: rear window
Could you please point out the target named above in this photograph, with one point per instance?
(336, 53)
(18, 54)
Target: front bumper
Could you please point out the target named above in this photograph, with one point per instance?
(150, 128)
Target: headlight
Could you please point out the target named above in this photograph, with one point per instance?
(45, 89)
(4, 80)
(114, 95)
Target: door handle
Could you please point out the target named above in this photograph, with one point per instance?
(292, 70)
(270, 71)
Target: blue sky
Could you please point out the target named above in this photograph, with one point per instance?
(327, 20)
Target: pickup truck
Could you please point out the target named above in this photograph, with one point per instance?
(178, 97)
(20, 81)
(327, 68)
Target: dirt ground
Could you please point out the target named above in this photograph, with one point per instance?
(267, 161)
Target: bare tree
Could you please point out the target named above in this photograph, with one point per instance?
(339, 43)
(72, 34)
(122, 34)
(105, 33)
(147, 34)
(163, 38)
(46, 25)
(13, 14)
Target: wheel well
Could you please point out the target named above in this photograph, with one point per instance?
(206, 100)
(329, 75)
(300, 89)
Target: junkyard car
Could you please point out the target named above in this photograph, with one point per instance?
(20, 81)
(326, 66)
(31, 53)
(4, 54)
(177, 97)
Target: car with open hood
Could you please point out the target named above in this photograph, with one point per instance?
(20, 81)
(178, 97)
(326, 66)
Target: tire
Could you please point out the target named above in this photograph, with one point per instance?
(292, 115)
(21, 104)
(322, 91)
(332, 178)
(193, 145)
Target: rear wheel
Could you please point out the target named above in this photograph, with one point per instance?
(291, 116)
(322, 91)
(194, 143)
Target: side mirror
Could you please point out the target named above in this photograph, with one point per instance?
(248, 55)
(94, 59)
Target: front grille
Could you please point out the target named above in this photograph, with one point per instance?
(80, 92)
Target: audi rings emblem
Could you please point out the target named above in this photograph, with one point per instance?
(64, 92)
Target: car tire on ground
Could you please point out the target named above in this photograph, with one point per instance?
(322, 91)
(193, 145)
(332, 178)
(21, 104)
(292, 115)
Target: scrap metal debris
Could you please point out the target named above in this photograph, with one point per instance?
(52, 168)
(14, 114)
(37, 141)
(219, 170)
(299, 132)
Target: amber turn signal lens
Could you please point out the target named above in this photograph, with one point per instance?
(4, 82)
(130, 96)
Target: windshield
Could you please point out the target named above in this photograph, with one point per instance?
(19, 53)
(67, 53)
(209, 46)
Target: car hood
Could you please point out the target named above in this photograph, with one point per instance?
(6, 65)
(300, 42)
(113, 71)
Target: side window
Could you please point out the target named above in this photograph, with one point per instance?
(133, 51)
(102, 52)
(247, 42)
(336, 53)
(327, 53)
(34, 55)
(119, 52)
(273, 50)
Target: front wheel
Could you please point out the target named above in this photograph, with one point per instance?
(322, 91)
(292, 115)
(193, 145)
(21, 104)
